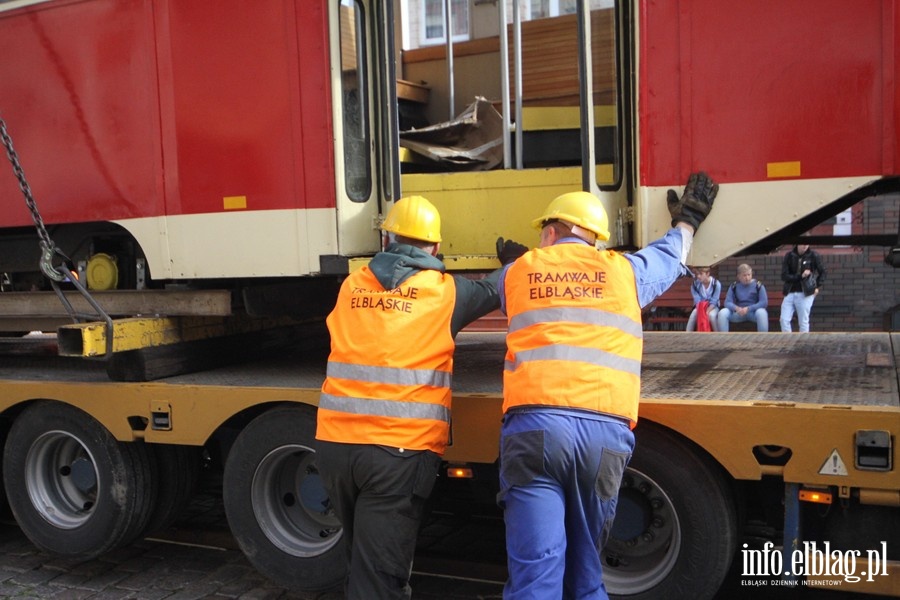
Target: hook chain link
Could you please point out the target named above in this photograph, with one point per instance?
(48, 248)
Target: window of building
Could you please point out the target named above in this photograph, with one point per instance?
(542, 9)
(848, 222)
(433, 21)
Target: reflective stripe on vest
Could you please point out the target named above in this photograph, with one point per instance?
(390, 368)
(587, 316)
(576, 353)
(388, 374)
(385, 408)
(575, 334)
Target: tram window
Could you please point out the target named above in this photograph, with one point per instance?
(355, 102)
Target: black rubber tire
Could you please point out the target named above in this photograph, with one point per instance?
(178, 477)
(276, 505)
(73, 489)
(675, 532)
(4, 504)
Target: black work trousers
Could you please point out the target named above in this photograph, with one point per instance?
(379, 497)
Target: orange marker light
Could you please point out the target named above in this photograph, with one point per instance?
(816, 496)
(459, 472)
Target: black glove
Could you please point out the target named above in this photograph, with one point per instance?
(508, 251)
(696, 201)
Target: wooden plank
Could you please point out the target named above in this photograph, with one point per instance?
(207, 303)
(550, 51)
(414, 92)
(28, 345)
(549, 57)
(149, 364)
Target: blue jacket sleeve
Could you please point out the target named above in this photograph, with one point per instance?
(659, 265)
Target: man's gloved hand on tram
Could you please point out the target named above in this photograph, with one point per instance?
(508, 251)
(696, 201)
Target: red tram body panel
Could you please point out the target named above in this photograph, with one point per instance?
(170, 108)
(742, 85)
(150, 113)
(221, 136)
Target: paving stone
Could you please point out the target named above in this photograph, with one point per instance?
(22, 562)
(229, 573)
(149, 594)
(262, 593)
(96, 583)
(73, 594)
(161, 576)
(34, 577)
(237, 588)
(139, 564)
(195, 591)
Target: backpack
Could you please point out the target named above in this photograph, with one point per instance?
(734, 284)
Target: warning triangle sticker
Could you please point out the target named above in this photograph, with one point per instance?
(833, 465)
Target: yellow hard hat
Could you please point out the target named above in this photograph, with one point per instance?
(579, 208)
(414, 217)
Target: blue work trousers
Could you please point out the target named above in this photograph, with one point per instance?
(559, 484)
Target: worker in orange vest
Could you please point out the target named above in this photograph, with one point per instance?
(384, 414)
(571, 385)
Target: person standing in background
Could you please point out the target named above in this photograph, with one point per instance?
(803, 273)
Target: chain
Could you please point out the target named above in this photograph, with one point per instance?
(48, 248)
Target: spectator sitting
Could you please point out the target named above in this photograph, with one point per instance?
(705, 289)
(746, 300)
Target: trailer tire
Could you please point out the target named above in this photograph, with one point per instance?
(4, 504)
(276, 505)
(178, 479)
(73, 489)
(675, 532)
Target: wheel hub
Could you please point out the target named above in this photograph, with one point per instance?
(291, 504)
(61, 479)
(645, 539)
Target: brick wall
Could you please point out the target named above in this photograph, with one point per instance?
(861, 292)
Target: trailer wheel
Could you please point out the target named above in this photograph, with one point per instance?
(73, 489)
(675, 531)
(276, 505)
(178, 480)
(4, 505)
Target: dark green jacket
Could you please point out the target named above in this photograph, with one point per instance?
(474, 298)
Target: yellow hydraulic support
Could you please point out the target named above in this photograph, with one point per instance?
(89, 339)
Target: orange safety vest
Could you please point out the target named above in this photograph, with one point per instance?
(391, 362)
(575, 335)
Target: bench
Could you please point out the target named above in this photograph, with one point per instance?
(670, 312)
